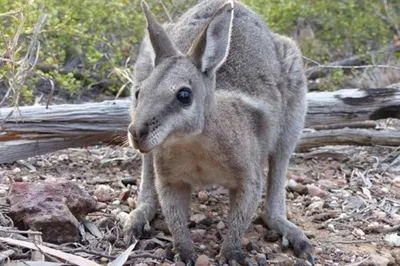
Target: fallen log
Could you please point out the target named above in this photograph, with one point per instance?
(35, 130)
(357, 137)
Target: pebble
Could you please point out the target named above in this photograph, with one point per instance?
(144, 264)
(63, 157)
(3, 192)
(314, 190)
(220, 225)
(202, 260)
(179, 263)
(103, 193)
(198, 235)
(124, 195)
(376, 260)
(198, 218)
(358, 232)
(16, 170)
(396, 182)
(271, 236)
(202, 195)
(131, 202)
(116, 202)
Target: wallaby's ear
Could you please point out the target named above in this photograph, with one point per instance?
(162, 44)
(211, 46)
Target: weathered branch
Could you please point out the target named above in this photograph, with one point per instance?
(359, 137)
(35, 130)
(321, 70)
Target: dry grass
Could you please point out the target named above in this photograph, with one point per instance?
(18, 63)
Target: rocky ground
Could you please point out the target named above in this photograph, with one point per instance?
(347, 200)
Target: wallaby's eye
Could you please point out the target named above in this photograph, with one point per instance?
(137, 94)
(184, 95)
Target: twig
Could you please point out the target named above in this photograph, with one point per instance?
(356, 241)
(12, 231)
(319, 65)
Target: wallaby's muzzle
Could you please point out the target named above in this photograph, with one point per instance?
(137, 136)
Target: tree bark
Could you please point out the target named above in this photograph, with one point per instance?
(35, 130)
(359, 137)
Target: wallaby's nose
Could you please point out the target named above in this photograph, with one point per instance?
(138, 132)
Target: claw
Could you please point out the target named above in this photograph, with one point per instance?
(189, 260)
(235, 259)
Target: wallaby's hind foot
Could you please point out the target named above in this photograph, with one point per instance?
(188, 259)
(293, 236)
(233, 258)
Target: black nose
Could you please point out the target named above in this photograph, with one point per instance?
(138, 132)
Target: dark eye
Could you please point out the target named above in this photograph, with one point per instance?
(184, 95)
(137, 94)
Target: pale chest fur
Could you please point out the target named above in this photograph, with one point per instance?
(197, 162)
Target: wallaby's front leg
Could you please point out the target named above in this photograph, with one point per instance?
(175, 200)
(275, 206)
(147, 202)
(243, 202)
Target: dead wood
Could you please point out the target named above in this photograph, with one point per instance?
(359, 137)
(321, 71)
(35, 130)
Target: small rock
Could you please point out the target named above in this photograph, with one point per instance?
(124, 195)
(261, 259)
(179, 263)
(202, 195)
(385, 190)
(393, 240)
(144, 264)
(329, 173)
(315, 206)
(300, 262)
(3, 192)
(203, 247)
(54, 208)
(103, 193)
(202, 260)
(63, 157)
(314, 190)
(396, 182)
(326, 183)
(116, 202)
(131, 202)
(16, 170)
(245, 241)
(203, 207)
(128, 181)
(259, 228)
(358, 232)
(271, 236)
(198, 218)
(198, 235)
(379, 215)
(376, 260)
(220, 225)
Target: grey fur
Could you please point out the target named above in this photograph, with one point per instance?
(248, 109)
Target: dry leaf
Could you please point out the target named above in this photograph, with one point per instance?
(57, 253)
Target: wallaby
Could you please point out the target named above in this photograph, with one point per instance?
(217, 98)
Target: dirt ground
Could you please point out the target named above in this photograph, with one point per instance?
(347, 200)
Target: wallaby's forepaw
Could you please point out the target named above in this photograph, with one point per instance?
(135, 225)
(233, 258)
(189, 258)
(301, 246)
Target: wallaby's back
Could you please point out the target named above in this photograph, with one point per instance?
(270, 63)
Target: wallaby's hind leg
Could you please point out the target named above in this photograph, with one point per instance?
(243, 202)
(275, 206)
(175, 201)
(147, 202)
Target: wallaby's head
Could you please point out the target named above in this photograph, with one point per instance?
(175, 98)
